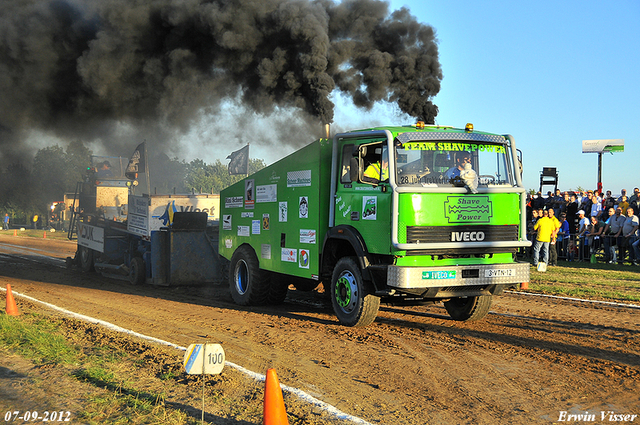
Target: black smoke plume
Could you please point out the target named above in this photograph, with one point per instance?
(81, 68)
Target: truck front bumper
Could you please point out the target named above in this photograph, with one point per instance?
(448, 276)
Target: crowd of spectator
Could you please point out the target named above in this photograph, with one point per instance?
(577, 225)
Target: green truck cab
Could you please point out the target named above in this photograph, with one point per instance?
(410, 214)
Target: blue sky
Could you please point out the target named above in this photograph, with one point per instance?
(551, 74)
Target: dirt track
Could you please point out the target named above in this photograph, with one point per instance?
(527, 362)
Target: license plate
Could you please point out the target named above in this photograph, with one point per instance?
(441, 274)
(499, 272)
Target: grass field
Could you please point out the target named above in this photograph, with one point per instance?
(107, 376)
(600, 281)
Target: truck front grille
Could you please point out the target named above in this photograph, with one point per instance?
(433, 234)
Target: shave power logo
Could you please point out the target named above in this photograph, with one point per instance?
(468, 209)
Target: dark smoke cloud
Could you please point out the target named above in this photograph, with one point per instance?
(78, 68)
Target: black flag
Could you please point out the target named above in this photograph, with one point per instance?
(136, 163)
(239, 161)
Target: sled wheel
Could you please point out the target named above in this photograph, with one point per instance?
(137, 272)
(468, 308)
(85, 259)
(248, 284)
(351, 297)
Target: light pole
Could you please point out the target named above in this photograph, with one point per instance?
(600, 146)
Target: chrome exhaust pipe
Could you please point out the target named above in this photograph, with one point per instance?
(327, 131)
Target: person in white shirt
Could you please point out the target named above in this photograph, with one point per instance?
(583, 226)
(612, 230)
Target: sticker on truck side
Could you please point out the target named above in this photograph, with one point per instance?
(303, 261)
(233, 202)
(91, 236)
(369, 206)
(289, 255)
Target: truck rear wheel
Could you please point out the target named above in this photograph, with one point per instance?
(248, 284)
(468, 308)
(85, 259)
(351, 297)
(137, 272)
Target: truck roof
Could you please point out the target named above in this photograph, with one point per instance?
(421, 127)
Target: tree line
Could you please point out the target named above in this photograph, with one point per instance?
(31, 188)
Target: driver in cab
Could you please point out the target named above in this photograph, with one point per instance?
(378, 171)
(462, 159)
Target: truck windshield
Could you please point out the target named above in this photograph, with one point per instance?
(438, 164)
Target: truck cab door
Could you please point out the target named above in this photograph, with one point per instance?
(363, 196)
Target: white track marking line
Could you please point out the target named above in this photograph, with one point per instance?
(575, 299)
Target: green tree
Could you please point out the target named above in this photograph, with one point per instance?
(167, 175)
(50, 173)
(56, 170)
(78, 158)
(212, 178)
(18, 199)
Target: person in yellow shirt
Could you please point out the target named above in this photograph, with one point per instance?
(553, 253)
(373, 172)
(624, 204)
(545, 228)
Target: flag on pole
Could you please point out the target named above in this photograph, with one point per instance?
(137, 163)
(239, 161)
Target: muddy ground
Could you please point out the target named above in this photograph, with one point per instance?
(528, 361)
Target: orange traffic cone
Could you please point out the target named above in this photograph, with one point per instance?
(274, 411)
(15, 232)
(12, 308)
(45, 235)
(524, 286)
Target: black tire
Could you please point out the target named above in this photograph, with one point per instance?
(351, 297)
(278, 289)
(468, 308)
(248, 284)
(85, 259)
(137, 271)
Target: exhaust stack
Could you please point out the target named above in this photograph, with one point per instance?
(327, 131)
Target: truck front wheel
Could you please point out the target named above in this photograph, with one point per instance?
(468, 308)
(351, 297)
(248, 284)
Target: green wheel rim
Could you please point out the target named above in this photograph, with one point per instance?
(346, 291)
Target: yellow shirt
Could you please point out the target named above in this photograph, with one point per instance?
(373, 172)
(545, 227)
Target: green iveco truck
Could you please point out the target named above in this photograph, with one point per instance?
(419, 231)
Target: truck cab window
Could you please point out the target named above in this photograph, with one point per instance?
(345, 171)
(375, 163)
(440, 164)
